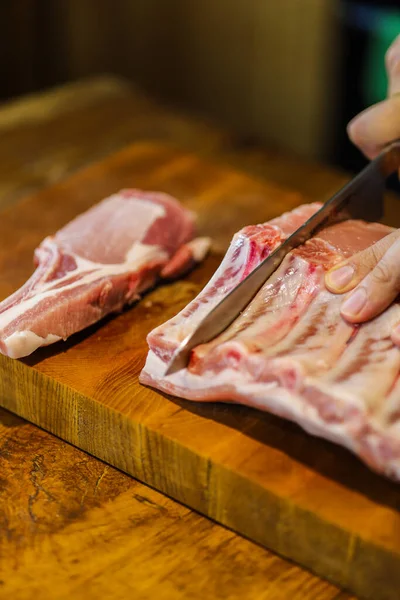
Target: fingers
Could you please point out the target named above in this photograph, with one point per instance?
(392, 60)
(378, 125)
(393, 69)
(373, 274)
(347, 275)
(377, 290)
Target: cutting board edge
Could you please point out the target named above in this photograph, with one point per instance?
(146, 449)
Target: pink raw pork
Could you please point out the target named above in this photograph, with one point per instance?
(290, 352)
(96, 264)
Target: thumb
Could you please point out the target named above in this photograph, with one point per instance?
(346, 275)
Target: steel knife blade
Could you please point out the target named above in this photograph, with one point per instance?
(361, 198)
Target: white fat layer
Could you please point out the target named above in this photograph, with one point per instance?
(137, 256)
(22, 343)
(265, 396)
(199, 247)
(149, 213)
(152, 210)
(145, 212)
(268, 397)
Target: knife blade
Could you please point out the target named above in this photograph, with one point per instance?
(361, 198)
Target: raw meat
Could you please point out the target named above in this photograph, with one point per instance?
(248, 248)
(96, 264)
(290, 352)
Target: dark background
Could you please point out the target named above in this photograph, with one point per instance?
(49, 42)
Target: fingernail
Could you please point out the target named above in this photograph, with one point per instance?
(355, 303)
(339, 278)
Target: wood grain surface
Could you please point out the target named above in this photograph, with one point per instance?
(261, 476)
(67, 470)
(73, 527)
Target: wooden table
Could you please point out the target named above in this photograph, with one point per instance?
(70, 525)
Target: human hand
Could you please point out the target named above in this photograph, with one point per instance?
(373, 274)
(379, 124)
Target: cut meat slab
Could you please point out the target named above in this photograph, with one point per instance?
(250, 246)
(290, 352)
(99, 262)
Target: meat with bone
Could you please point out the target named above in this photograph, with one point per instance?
(248, 248)
(290, 352)
(99, 262)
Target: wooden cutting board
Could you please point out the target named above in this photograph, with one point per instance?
(265, 478)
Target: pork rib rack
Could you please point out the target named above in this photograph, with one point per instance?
(290, 352)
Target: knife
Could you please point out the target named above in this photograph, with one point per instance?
(361, 198)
